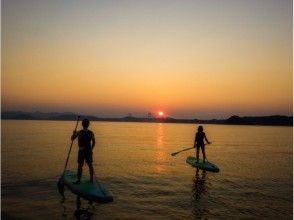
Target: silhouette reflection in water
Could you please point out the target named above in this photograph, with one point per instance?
(83, 213)
(199, 190)
(80, 213)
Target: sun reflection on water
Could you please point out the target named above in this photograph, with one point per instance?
(160, 154)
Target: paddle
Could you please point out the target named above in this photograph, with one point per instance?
(60, 183)
(175, 153)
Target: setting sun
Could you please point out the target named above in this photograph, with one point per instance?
(160, 114)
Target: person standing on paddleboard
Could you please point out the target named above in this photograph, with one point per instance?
(199, 143)
(86, 142)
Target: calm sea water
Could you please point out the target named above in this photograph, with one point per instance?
(133, 161)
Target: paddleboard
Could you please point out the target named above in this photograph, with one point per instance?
(203, 166)
(94, 191)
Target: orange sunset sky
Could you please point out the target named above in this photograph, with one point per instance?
(189, 59)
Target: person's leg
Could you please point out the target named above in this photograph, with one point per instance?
(89, 161)
(197, 154)
(91, 170)
(203, 153)
(81, 158)
(79, 175)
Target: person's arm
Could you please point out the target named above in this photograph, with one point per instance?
(93, 140)
(206, 139)
(74, 135)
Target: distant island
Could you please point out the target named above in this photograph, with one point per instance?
(277, 120)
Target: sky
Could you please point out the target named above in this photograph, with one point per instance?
(188, 58)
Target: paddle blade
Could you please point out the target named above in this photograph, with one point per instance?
(60, 185)
(174, 154)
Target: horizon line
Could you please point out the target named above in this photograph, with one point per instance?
(129, 115)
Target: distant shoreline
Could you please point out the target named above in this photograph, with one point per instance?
(274, 120)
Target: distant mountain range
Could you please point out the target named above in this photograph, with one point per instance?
(233, 120)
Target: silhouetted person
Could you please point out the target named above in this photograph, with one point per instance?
(86, 141)
(199, 143)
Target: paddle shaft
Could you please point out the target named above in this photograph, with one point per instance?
(70, 146)
(173, 154)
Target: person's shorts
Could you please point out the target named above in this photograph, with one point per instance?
(200, 146)
(85, 155)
